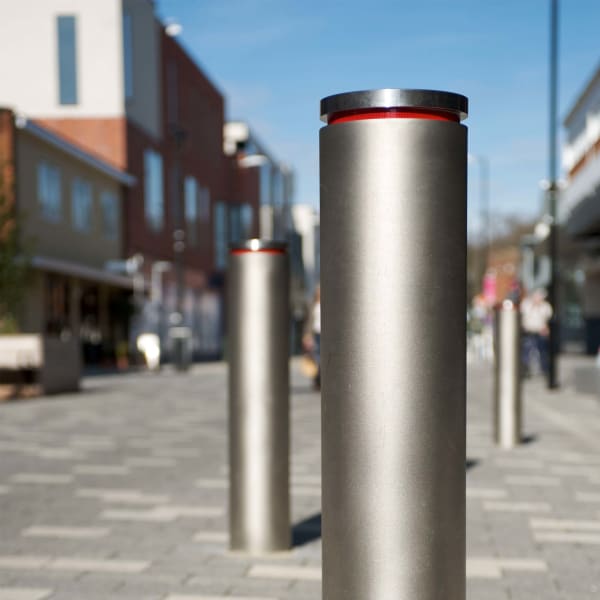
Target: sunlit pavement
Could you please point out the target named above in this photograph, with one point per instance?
(120, 492)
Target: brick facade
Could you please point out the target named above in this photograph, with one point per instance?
(101, 137)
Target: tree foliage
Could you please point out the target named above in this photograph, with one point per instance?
(13, 260)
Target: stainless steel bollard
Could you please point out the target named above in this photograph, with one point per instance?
(507, 381)
(258, 322)
(393, 270)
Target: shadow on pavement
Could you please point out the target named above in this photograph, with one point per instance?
(307, 530)
(529, 438)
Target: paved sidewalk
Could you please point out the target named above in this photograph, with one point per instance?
(120, 492)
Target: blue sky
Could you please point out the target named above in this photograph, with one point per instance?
(275, 59)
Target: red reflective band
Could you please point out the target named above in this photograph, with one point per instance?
(260, 250)
(392, 113)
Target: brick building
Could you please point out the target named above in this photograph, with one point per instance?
(111, 81)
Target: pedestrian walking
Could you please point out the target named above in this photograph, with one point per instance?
(536, 313)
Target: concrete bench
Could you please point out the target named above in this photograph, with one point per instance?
(55, 362)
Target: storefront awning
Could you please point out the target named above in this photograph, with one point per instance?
(63, 267)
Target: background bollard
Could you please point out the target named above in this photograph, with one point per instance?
(507, 380)
(258, 325)
(393, 282)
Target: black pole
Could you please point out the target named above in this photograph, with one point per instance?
(484, 183)
(553, 291)
(179, 342)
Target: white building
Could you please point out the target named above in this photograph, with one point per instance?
(81, 59)
(580, 201)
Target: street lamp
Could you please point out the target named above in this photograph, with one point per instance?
(179, 333)
(553, 288)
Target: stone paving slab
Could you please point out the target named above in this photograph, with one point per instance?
(120, 492)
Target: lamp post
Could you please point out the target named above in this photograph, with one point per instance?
(178, 331)
(553, 288)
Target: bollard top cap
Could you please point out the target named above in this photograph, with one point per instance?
(391, 102)
(258, 245)
(507, 305)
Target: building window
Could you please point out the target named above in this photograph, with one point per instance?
(190, 196)
(81, 204)
(128, 54)
(49, 192)
(109, 204)
(246, 220)
(220, 235)
(67, 59)
(240, 222)
(154, 205)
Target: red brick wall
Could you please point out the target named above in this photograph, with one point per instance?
(102, 137)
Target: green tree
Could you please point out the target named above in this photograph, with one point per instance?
(14, 265)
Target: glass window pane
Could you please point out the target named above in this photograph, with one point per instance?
(190, 192)
(153, 190)
(48, 189)
(247, 218)
(220, 235)
(81, 204)
(67, 60)
(235, 230)
(110, 215)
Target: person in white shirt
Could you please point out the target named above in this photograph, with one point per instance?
(536, 313)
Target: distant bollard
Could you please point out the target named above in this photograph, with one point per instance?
(258, 326)
(507, 380)
(393, 354)
(181, 347)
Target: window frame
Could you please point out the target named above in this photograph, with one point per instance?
(66, 42)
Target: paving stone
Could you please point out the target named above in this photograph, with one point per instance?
(7, 593)
(66, 532)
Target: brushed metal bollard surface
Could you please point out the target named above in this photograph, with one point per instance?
(393, 283)
(258, 322)
(507, 385)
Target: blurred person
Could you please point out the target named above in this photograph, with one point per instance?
(515, 292)
(149, 345)
(311, 340)
(536, 313)
(480, 339)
